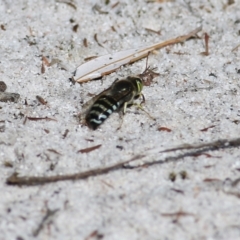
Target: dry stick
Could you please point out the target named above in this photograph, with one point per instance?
(198, 149)
(236, 47)
(14, 179)
(206, 38)
(49, 214)
(221, 143)
(41, 118)
(169, 42)
(134, 57)
(87, 150)
(96, 39)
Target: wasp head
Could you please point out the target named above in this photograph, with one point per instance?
(148, 75)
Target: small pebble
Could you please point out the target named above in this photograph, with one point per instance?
(3, 86)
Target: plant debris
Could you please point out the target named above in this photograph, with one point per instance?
(15, 179)
(107, 64)
(6, 96)
(90, 149)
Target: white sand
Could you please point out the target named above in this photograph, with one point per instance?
(125, 204)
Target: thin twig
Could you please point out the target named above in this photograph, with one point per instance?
(96, 39)
(221, 143)
(14, 179)
(87, 150)
(45, 219)
(107, 64)
(235, 48)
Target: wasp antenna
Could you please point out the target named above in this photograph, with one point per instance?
(147, 62)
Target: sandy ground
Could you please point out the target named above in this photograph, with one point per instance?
(188, 193)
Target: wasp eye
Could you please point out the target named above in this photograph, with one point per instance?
(139, 85)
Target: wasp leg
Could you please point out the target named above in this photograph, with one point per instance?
(149, 115)
(121, 114)
(143, 99)
(126, 104)
(125, 107)
(141, 107)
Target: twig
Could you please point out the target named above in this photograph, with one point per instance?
(206, 129)
(206, 39)
(69, 3)
(106, 64)
(221, 143)
(41, 118)
(14, 179)
(96, 39)
(153, 31)
(235, 48)
(87, 150)
(44, 221)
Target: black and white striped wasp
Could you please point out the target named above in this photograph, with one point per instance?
(120, 95)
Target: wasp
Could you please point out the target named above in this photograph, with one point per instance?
(120, 95)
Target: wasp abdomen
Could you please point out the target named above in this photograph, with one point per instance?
(101, 110)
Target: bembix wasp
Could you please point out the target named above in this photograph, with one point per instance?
(118, 96)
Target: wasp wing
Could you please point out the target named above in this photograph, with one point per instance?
(106, 64)
(87, 105)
